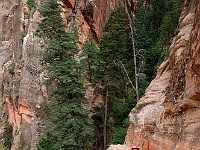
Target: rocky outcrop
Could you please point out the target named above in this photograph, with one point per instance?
(23, 93)
(9, 27)
(89, 17)
(167, 116)
(70, 3)
(120, 147)
(101, 9)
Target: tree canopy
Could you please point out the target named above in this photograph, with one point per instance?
(71, 127)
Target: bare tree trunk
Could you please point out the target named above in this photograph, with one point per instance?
(134, 50)
(105, 118)
(120, 63)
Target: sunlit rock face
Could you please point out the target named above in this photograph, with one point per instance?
(167, 116)
(21, 75)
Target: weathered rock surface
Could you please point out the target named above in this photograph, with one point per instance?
(23, 91)
(167, 116)
(89, 17)
(9, 27)
(120, 147)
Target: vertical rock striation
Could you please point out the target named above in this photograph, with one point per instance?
(9, 45)
(23, 92)
(167, 116)
(88, 16)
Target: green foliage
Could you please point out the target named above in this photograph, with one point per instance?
(46, 143)
(88, 59)
(11, 69)
(169, 23)
(21, 143)
(22, 34)
(8, 138)
(31, 4)
(107, 69)
(155, 23)
(26, 15)
(116, 47)
(15, 95)
(154, 26)
(119, 132)
(2, 147)
(50, 26)
(71, 127)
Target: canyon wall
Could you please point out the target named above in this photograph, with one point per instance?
(167, 116)
(88, 16)
(23, 90)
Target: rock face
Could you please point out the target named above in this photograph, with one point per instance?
(23, 92)
(89, 17)
(167, 116)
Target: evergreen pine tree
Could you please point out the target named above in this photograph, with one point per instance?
(88, 59)
(71, 127)
(153, 29)
(115, 51)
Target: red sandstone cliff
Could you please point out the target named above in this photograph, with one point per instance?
(89, 17)
(167, 116)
